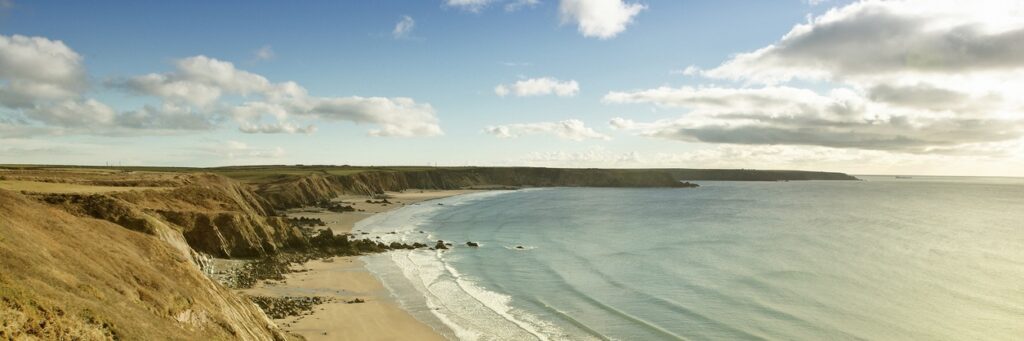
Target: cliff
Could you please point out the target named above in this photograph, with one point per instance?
(754, 175)
(72, 277)
(321, 184)
(214, 215)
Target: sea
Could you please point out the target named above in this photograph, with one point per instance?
(885, 258)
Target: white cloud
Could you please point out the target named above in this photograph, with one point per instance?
(199, 81)
(691, 70)
(264, 53)
(731, 156)
(568, 129)
(396, 116)
(174, 90)
(202, 82)
(516, 5)
(167, 116)
(42, 83)
(276, 128)
(602, 19)
(73, 113)
(886, 38)
(539, 87)
(468, 5)
(35, 70)
(238, 151)
(793, 116)
(403, 28)
(904, 77)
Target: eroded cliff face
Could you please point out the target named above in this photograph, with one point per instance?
(100, 267)
(307, 190)
(208, 213)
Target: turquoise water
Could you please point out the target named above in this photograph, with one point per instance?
(883, 259)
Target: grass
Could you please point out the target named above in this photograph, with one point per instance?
(248, 174)
(50, 187)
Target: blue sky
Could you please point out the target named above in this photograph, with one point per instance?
(452, 59)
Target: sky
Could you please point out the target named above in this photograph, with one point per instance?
(863, 87)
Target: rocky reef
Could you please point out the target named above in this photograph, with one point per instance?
(281, 307)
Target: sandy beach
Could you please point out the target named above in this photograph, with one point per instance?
(345, 279)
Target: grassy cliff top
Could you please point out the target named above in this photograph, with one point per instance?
(275, 173)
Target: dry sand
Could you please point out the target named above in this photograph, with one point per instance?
(345, 279)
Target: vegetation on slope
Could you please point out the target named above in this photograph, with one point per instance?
(68, 277)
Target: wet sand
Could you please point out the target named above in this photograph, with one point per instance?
(344, 279)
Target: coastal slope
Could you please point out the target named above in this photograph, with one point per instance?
(71, 277)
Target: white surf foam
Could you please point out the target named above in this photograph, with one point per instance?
(465, 308)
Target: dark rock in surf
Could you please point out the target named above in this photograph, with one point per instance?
(473, 244)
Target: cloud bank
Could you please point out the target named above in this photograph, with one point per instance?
(602, 19)
(898, 76)
(571, 129)
(43, 88)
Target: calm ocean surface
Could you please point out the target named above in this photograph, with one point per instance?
(884, 259)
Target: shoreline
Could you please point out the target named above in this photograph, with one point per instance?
(344, 279)
(436, 293)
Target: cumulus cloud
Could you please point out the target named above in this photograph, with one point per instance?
(202, 82)
(900, 76)
(879, 38)
(539, 87)
(403, 28)
(36, 69)
(571, 129)
(167, 117)
(43, 85)
(73, 113)
(397, 116)
(602, 19)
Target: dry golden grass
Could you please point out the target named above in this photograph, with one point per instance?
(66, 277)
(52, 187)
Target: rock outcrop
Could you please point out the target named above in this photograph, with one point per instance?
(213, 214)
